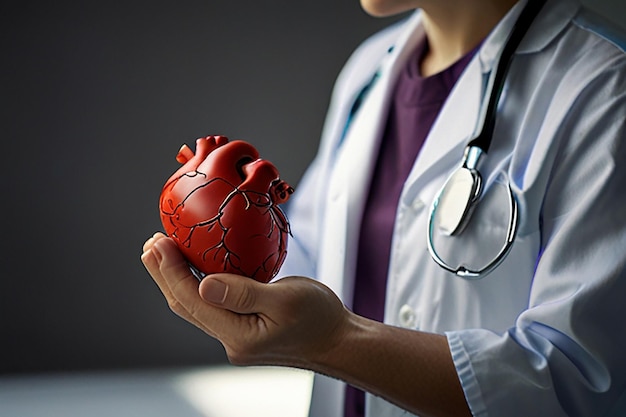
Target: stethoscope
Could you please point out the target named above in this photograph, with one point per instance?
(456, 201)
(454, 204)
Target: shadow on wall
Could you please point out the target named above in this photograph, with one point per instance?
(96, 100)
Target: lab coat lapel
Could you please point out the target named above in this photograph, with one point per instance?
(356, 158)
(347, 191)
(453, 128)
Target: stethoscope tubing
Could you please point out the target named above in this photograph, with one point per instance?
(483, 139)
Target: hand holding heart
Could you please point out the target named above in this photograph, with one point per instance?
(292, 321)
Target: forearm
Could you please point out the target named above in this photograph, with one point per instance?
(411, 369)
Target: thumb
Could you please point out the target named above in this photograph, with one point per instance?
(232, 292)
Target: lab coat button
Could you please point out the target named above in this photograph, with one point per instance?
(407, 316)
(417, 204)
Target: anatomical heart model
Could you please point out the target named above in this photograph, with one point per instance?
(221, 208)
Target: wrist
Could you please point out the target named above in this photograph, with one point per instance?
(340, 356)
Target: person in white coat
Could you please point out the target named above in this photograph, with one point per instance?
(542, 331)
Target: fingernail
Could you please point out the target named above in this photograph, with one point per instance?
(214, 291)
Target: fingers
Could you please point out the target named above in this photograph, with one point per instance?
(171, 273)
(148, 244)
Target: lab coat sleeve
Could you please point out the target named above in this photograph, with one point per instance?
(300, 259)
(566, 354)
(304, 208)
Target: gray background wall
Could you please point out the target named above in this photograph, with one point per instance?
(96, 99)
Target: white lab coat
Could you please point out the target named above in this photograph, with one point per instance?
(544, 334)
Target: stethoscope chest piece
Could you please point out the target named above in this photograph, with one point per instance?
(456, 200)
(452, 219)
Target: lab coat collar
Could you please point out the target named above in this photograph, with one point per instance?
(556, 14)
(549, 23)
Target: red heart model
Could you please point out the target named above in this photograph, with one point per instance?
(221, 208)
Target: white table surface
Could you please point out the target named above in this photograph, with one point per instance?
(224, 391)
